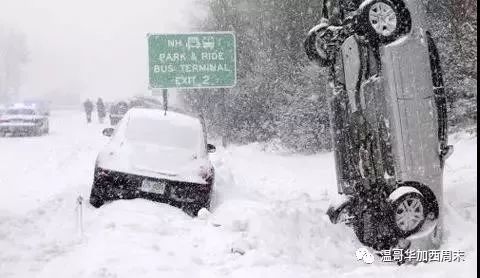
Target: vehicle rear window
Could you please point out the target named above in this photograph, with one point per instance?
(20, 112)
(164, 133)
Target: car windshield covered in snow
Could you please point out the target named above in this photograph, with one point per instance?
(165, 131)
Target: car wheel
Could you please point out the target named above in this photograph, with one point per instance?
(341, 215)
(38, 131)
(383, 21)
(316, 47)
(408, 214)
(344, 217)
(96, 200)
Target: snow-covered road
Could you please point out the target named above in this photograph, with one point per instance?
(268, 217)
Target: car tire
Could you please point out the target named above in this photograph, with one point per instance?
(96, 200)
(409, 214)
(341, 214)
(384, 21)
(315, 47)
(38, 132)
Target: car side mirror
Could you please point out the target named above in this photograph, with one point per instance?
(108, 131)
(211, 148)
(446, 152)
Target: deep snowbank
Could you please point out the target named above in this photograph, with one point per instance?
(268, 217)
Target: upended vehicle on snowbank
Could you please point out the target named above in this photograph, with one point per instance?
(158, 156)
(388, 120)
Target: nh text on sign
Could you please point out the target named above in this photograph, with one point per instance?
(197, 60)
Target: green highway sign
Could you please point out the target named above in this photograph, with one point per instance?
(196, 60)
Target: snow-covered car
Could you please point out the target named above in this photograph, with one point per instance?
(388, 119)
(158, 156)
(21, 119)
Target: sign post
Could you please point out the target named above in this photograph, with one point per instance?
(165, 100)
(189, 61)
(192, 61)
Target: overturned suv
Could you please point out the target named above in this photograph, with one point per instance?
(388, 120)
(157, 156)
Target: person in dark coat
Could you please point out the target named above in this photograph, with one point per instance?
(101, 110)
(88, 106)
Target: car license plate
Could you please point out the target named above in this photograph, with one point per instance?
(150, 186)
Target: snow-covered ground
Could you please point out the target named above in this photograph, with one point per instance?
(268, 217)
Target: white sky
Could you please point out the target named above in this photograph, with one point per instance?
(94, 47)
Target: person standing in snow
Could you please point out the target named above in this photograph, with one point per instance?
(88, 106)
(101, 110)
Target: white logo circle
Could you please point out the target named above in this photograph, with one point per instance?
(368, 258)
(365, 255)
(360, 253)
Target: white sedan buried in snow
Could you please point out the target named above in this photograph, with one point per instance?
(156, 156)
(23, 120)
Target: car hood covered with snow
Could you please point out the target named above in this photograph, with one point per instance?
(21, 117)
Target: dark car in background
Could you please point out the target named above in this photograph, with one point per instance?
(158, 156)
(117, 111)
